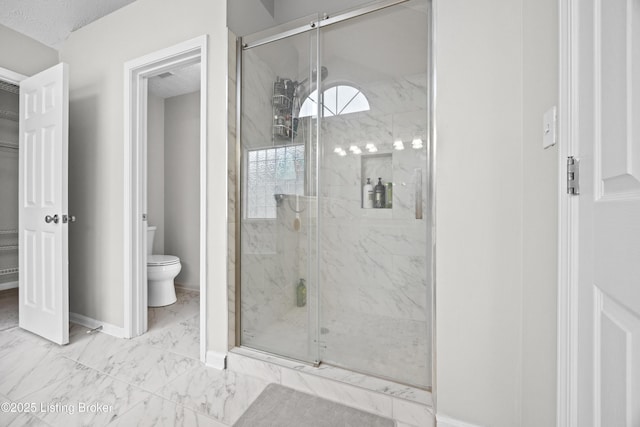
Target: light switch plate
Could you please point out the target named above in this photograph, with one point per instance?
(550, 128)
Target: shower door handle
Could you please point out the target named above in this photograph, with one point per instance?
(418, 195)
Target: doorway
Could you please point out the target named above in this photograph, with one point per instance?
(173, 79)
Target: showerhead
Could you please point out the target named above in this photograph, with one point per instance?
(323, 73)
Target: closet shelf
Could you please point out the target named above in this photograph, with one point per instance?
(8, 247)
(9, 87)
(7, 271)
(8, 231)
(9, 145)
(9, 115)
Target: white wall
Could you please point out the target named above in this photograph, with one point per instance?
(540, 177)
(496, 326)
(156, 170)
(96, 55)
(182, 185)
(23, 55)
(479, 210)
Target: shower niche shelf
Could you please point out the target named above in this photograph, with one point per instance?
(374, 166)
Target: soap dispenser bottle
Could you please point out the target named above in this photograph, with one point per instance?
(367, 195)
(379, 200)
(301, 294)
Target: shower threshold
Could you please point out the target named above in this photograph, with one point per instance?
(322, 377)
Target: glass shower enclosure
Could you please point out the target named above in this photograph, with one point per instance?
(336, 213)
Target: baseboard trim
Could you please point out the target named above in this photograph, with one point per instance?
(216, 360)
(444, 421)
(90, 323)
(8, 285)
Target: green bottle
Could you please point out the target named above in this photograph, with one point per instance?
(301, 294)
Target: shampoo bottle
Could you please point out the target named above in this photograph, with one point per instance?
(379, 199)
(367, 195)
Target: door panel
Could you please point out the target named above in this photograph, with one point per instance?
(375, 289)
(279, 281)
(617, 78)
(44, 278)
(609, 207)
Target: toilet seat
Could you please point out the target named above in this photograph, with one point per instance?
(161, 260)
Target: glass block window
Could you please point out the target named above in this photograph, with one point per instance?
(277, 170)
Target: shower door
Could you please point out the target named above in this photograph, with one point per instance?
(278, 281)
(375, 292)
(358, 85)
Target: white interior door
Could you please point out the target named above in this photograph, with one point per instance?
(608, 137)
(44, 259)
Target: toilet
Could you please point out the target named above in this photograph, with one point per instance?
(161, 272)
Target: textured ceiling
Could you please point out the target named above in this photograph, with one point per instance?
(184, 80)
(51, 21)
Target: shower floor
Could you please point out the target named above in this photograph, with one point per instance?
(400, 357)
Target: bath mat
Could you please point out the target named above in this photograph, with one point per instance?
(279, 406)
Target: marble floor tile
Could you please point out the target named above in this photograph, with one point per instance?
(16, 340)
(182, 338)
(85, 386)
(158, 412)
(20, 420)
(26, 372)
(8, 309)
(159, 318)
(188, 303)
(92, 349)
(13, 418)
(146, 367)
(223, 395)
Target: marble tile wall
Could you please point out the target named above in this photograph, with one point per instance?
(232, 182)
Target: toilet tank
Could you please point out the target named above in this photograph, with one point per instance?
(151, 233)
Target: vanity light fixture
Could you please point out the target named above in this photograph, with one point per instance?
(417, 143)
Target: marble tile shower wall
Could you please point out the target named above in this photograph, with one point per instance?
(373, 261)
(232, 182)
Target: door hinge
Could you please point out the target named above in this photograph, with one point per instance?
(144, 216)
(573, 176)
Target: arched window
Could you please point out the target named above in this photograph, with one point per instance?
(341, 99)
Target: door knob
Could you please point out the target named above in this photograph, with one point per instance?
(68, 218)
(48, 219)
